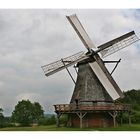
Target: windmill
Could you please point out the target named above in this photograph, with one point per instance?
(95, 92)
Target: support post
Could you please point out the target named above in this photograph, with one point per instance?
(69, 121)
(117, 62)
(57, 119)
(121, 116)
(129, 115)
(68, 72)
(81, 116)
(114, 115)
(75, 69)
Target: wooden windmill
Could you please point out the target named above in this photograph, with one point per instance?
(93, 100)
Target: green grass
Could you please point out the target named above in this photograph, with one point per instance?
(133, 127)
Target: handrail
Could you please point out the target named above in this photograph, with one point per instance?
(72, 107)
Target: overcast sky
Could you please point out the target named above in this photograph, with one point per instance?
(32, 38)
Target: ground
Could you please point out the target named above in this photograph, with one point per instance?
(133, 127)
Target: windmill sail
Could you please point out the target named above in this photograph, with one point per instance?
(106, 79)
(117, 44)
(76, 24)
(63, 63)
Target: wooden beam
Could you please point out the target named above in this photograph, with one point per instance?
(81, 116)
(114, 115)
(68, 72)
(57, 119)
(129, 115)
(121, 117)
(69, 121)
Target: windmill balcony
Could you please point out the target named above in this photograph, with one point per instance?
(69, 108)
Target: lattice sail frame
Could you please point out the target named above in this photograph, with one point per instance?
(119, 44)
(63, 63)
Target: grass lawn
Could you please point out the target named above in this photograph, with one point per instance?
(133, 127)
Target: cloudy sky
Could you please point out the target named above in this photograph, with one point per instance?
(32, 38)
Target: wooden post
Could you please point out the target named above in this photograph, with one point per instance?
(121, 118)
(69, 121)
(114, 115)
(81, 122)
(57, 119)
(81, 116)
(129, 115)
(114, 121)
(68, 71)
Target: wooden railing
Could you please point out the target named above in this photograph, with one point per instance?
(72, 107)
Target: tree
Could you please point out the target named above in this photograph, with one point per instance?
(1, 112)
(38, 111)
(26, 112)
(1, 117)
(132, 97)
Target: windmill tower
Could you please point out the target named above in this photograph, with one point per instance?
(95, 93)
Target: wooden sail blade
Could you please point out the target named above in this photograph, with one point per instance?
(117, 44)
(76, 24)
(63, 63)
(106, 79)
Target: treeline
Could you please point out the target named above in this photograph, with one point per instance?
(132, 97)
(27, 113)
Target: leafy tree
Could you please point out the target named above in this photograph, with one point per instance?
(1, 112)
(132, 97)
(38, 111)
(26, 112)
(1, 117)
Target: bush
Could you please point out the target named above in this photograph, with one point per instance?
(50, 120)
(47, 120)
(135, 117)
(63, 120)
